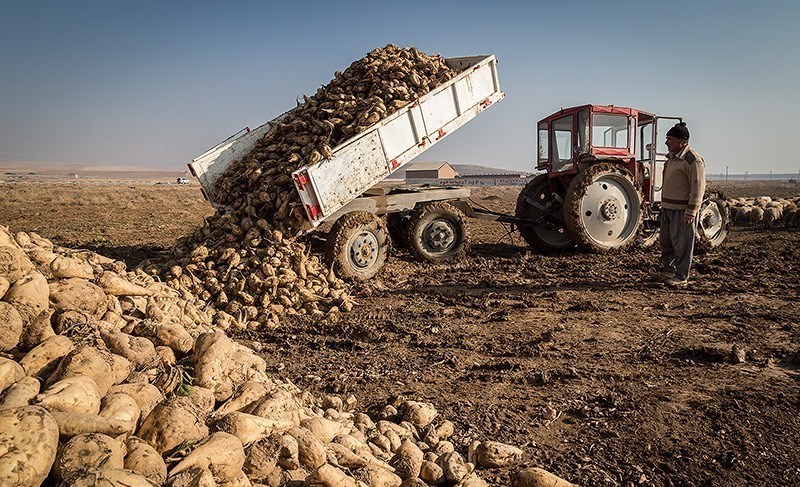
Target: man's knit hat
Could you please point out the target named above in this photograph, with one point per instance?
(679, 131)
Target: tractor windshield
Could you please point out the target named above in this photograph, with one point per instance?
(609, 130)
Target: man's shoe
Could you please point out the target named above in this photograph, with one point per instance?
(662, 276)
(675, 282)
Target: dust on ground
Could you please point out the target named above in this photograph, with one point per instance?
(602, 376)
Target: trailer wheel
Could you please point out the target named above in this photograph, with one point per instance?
(437, 231)
(398, 226)
(358, 246)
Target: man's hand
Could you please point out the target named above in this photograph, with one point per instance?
(687, 219)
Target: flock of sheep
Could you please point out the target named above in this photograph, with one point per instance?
(766, 211)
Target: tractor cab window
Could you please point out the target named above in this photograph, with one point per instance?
(610, 130)
(543, 149)
(561, 144)
(645, 141)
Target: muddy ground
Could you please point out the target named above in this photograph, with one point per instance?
(602, 376)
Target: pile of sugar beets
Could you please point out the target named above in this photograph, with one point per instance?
(115, 377)
(245, 260)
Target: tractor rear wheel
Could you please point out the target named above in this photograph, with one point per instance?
(603, 208)
(536, 203)
(358, 246)
(437, 231)
(712, 222)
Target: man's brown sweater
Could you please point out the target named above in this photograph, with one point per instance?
(684, 181)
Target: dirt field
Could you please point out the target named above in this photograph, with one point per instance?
(602, 376)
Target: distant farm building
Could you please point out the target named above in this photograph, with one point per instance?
(443, 174)
(430, 170)
(72, 175)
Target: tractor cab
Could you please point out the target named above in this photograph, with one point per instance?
(601, 189)
(574, 138)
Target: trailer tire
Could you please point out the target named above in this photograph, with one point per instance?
(437, 231)
(398, 226)
(358, 246)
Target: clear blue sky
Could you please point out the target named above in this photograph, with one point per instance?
(156, 83)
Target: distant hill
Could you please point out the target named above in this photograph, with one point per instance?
(463, 170)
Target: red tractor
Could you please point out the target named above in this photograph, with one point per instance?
(602, 188)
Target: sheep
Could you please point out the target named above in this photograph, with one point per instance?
(775, 204)
(796, 220)
(772, 216)
(742, 214)
(789, 217)
(756, 215)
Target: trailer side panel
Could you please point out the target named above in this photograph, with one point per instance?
(362, 162)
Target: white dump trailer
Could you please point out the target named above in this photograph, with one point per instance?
(342, 193)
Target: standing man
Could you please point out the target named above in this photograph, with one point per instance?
(681, 196)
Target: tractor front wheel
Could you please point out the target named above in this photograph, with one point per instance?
(712, 222)
(647, 237)
(603, 208)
